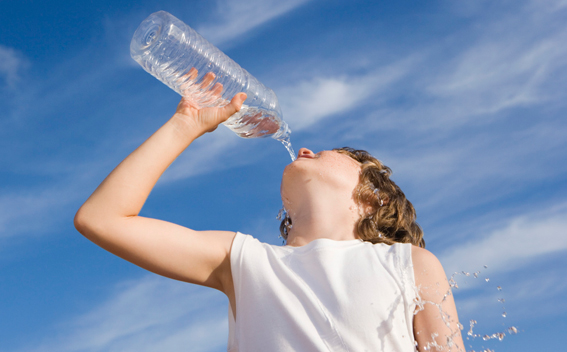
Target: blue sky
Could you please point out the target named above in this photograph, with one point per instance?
(464, 100)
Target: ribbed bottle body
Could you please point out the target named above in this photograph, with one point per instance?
(171, 51)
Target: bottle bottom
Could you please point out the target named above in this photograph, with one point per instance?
(257, 123)
(252, 122)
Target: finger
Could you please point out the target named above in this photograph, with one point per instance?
(217, 89)
(187, 80)
(192, 74)
(235, 104)
(213, 96)
(207, 80)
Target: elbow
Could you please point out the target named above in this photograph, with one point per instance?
(96, 224)
(87, 222)
(81, 221)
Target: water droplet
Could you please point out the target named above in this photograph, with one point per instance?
(487, 279)
(465, 273)
(281, 214)
(512, 330)
(504, 314)
(499, 288)
(470, 332)
(486, 266)
(501, 300)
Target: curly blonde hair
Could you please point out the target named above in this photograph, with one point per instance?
(392, 217)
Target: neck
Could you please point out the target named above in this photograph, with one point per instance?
(330, 219)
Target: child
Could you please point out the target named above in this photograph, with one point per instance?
(346, 280)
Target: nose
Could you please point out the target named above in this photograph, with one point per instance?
(304, 151)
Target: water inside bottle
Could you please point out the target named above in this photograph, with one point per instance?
(249, 122)
(252, 122)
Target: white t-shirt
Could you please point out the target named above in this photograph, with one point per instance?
(325, 296)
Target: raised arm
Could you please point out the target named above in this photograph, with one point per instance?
(436, 324)
(110, 218)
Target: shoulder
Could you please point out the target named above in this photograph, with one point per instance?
(427, 268)
(249, 246)
(422, 256)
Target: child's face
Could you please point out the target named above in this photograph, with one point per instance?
(325, 171)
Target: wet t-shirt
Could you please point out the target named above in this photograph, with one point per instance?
(325, 296)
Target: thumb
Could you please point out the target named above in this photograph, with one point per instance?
(235, 104)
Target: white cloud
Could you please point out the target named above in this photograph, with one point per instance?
(524, 239)
(33, 213)
(503, 72)
(479, 300)
(11, 65)
(206, 154)
(481, 167)
(150, 314)
(514, 60)
(455, 135)
(234, 18)
(311, 101)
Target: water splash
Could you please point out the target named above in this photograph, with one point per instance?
(283, 214)
(455, 329)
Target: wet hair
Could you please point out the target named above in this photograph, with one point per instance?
(391, 218)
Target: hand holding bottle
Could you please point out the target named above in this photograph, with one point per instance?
(190, 116)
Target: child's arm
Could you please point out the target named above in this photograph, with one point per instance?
(437, 324)
(110, 218)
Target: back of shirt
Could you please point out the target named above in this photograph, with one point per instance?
(325, 296)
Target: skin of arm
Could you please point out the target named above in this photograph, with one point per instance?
(110, 217)
(437, 320)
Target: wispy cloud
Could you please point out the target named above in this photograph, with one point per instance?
(36, 210)
(29, 213)
(524, 239)
(514, 60)
(150, 314)
(480, 166)
(235, 18)
(11, 65)
(206, 154)
(501, 72)
(476, 113)
(308, 102)
(517, 295)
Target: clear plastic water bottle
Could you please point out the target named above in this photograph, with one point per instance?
(178, 56)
